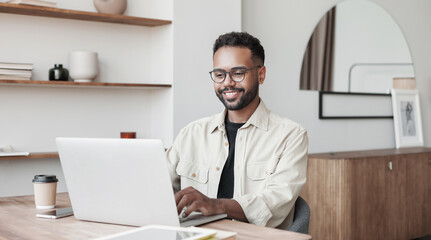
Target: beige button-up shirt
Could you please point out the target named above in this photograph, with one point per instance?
(269, 169)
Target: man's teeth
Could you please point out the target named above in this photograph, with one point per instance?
(230, 93)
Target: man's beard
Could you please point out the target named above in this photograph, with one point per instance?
(246, 98)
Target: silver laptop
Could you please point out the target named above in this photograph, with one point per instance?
(122, 181)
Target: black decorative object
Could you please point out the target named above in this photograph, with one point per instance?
(58, 73)
(350, 94)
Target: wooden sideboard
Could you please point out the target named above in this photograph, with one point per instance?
(376, 194)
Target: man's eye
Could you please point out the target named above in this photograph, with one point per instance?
(238, 73)
(219, 74)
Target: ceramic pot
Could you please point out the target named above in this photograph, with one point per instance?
(110, 6)
(58, 73)
(83, 66)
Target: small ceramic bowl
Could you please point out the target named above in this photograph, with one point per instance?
(110, 6)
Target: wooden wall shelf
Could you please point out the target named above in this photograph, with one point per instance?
(79, 15)
(88, 84)
(39, 155)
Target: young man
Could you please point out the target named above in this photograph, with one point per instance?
(246, 161)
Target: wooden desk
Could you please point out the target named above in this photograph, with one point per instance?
(18, 221)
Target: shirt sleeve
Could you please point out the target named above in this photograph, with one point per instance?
(284, 183)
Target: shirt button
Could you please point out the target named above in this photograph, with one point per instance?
(217, 168)
(194, 175)
(226, 144)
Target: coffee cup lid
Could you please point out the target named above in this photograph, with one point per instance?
(45, 178)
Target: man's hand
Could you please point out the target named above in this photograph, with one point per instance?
(196, 201)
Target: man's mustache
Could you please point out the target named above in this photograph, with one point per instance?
(231, 89)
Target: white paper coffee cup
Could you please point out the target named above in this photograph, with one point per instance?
(45, 191)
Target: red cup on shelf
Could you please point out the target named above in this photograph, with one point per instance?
(128, 134)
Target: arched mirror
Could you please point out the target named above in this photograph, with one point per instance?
(356, 47)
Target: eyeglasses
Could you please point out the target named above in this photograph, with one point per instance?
(236, 74)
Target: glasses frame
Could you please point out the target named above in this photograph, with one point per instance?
(230, 73)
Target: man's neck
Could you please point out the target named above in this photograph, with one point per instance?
(242, 115)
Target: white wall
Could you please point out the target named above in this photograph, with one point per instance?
(32, 116)
(197, 24)
(366, 33)
(284, 26)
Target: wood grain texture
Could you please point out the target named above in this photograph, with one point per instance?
(404, 83)
(253, 232)
(330, 210)
(81, 84)
(418, 193)
(368, 153)
(80, 15)
(427, 205)
(395, 221)
(355, 195)
(18, 221)
(38, 155)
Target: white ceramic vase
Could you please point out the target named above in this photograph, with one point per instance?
(110, 6)
(83, 66)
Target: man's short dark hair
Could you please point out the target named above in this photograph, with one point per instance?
(241, 39)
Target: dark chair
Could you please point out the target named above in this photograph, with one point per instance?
(301, 217)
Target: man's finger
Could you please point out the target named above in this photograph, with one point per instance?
(192, 207)
(186, 200)
(179, 195)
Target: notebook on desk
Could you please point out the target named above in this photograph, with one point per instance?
(121, 181)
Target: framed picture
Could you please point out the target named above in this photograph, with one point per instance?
(407, 118)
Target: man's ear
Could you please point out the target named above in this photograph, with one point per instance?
(261, 74)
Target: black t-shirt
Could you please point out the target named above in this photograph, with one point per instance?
(225, 187)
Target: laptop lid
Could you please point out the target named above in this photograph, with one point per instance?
(122, 181)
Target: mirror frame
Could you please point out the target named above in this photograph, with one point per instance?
(321, 101)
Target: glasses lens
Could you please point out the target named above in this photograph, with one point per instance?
(218, 76)
(237, 74)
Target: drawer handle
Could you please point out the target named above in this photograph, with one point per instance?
(390, 166)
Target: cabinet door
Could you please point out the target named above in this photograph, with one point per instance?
(368, 205)
(396, 198)
(324, 192)
(377, 197)
(418, 195)
(427, 182)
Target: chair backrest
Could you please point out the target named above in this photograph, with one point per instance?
(301, 218)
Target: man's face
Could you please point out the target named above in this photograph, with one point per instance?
(236, 95)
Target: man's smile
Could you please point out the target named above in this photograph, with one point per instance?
(231, 94)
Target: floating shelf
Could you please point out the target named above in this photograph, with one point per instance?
(79, 15)
(89, 84)
(38, 155)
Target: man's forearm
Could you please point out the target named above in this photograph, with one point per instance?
(233, 209)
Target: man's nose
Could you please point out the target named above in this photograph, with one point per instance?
(228, 81)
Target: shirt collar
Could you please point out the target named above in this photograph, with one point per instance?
(259, 119)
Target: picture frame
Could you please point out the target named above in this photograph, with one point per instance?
(407, 118)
